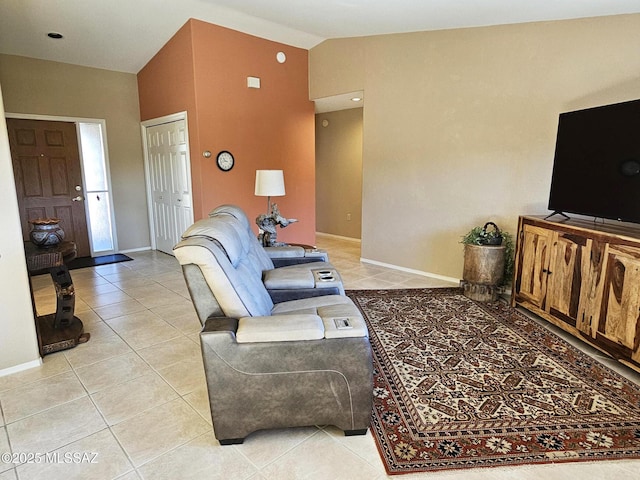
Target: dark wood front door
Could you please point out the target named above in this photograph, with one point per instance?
(46, 166)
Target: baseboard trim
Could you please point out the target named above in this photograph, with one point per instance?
(19, 368)
(133, 250)
(340, 237)
(411, 270)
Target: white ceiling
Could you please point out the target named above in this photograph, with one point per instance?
(344, 101)
(123, 35)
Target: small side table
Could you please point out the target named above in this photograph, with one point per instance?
(60, 330)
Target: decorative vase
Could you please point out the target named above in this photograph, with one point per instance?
(46, 232)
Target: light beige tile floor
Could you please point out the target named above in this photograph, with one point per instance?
(134, 400)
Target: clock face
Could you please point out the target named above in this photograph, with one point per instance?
(225, 161)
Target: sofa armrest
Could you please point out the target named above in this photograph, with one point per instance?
(294, 254)
(220, 325)
(310, 253)
(280, 328)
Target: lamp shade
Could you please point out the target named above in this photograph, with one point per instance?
(269, 183)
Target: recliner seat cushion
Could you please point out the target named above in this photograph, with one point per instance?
(329, 308)
(286, 277)
(303, 276)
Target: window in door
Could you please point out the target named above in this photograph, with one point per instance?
(97, 189)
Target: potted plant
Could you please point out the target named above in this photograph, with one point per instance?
(488, 262)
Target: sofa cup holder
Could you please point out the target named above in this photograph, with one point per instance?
(326, 275)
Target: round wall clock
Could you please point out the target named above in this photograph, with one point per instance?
(225, 161)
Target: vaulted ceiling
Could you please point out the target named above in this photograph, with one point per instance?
(123, 35)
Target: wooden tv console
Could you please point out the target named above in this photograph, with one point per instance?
(583, 277)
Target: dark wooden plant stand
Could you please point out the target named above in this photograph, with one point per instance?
(60, 330)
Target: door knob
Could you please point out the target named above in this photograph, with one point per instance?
(77, 199)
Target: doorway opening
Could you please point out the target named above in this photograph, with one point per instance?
(339, 152)
(91, 191)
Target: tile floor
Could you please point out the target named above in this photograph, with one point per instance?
(132, 402)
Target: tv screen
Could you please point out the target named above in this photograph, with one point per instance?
(596, 169)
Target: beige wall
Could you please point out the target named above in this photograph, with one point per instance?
(41, 87)
(18, 342)
(459, 125)
(339, 173)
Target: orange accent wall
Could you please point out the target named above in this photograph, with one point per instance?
(203, 69)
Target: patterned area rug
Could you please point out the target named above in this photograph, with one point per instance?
(462, 384)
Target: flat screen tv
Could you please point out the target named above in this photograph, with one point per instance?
(596, 169)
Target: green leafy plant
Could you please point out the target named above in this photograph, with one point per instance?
(482, 236)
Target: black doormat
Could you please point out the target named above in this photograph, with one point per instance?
(83, 262)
